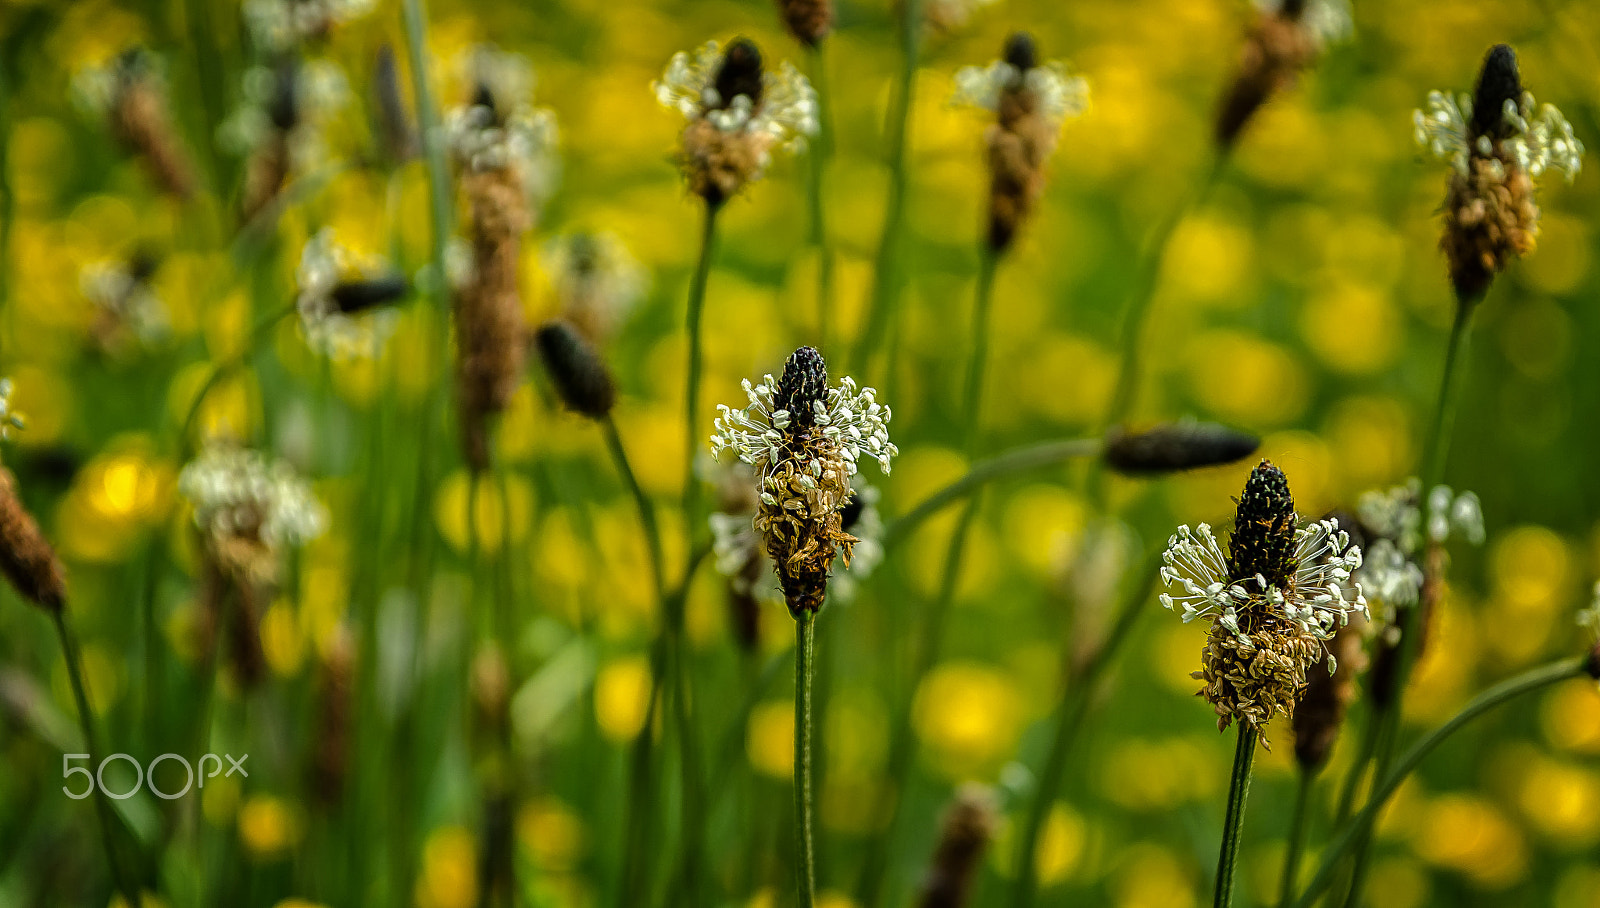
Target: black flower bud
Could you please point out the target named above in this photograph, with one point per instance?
(1498, 83)
(740, 73)
(394, 124)
(1020, 51)
(354, 297)
(804, 382)
(1263, 528)
(1176, 446)
(1592, 664)
(284, 107)
(580, 375)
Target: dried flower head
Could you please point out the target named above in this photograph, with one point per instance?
(580, 375)
(343, 299)
(1328, 695)
(1172, 447)
(1030, 101)
(499, 129)
(1273, 600)
(126, 305)
(968, 825)
(247, 508)
(737, 112)
(281, 124)
(131, 92)
(26, 557)
(282, 25)
(804, 440)
(1497, 143)
(1286, 37)
(597, 281)
(807, 20)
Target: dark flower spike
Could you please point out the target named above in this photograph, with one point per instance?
(1592, 666)
(1173, 447)
(968, 825)
(1320, 713)
(1020, 51)
(1264, 529)
(353, 297)
(26, 558)
(399, 139)
(1499, 84)
(804, 385)
(740, 73)
(808, 20)
(580, 375)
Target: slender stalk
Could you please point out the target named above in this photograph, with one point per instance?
(1074, 708)
(821, 154)
(1297, 836)
(1527, 682)
(804, 657)
(888, 267)
(91, 743)
(1017, 460)
(972, 391)
(692, 434)
(226, 367)
(647, 510)
(1233, 822)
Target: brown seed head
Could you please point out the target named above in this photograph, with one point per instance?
(580, 375)
(808, 20)
(26, 558)
(1019, 144)
(1173, 447)
(1320, 713)
(968, 825)
(1275, 50)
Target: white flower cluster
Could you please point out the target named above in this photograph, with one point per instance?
(328, 330)
(234, 491)
(734, 541)
(114, 289)
(511, 133)
(8, 418)
(1590, 617)
(1061, 96)
(787, 114)
(1390, 574)
(1327, 21)
(279, 25)
(1539, 142)
(595, 271)
(854, 420)
(320, 92)
(868, 551)
(1319, 598)
(96, 86)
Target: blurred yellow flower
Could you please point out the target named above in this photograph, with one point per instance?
(268, 826)
(552, 834)
(968, 714)
(449, 872)
(769, 739)
(1561, 800)
(1398, 882)
(1148, 876)
(1246, 380)
(622, 697)
(282, 643)
(1571, 718)
(1468, 834)
(1210, 259)
(1354, 328)
(452, 510)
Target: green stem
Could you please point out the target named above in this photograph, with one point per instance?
(692, 434)
(1233, 822)
(1297, 835)
(888, 266)
(821, 153)
(91, 743)
(226, 367)
(1074, 708)
(972, 391)
(647, 510)
(1018, 460)
(804, 657)
(1527, 682)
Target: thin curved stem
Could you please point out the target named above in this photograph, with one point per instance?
(804, 662)
(1297, 835)
(691, 427)
(1074, 708)
(227, 366)
(647, 510)
(1018, 460)
(972, 391)
(1244, 758)
(91, 743)
(1527, 682)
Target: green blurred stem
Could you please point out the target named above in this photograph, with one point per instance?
(1527, 682)
(804, 658)
(1435, 453)
(821, 153)
(1018, 460)
(91, 743)
(1074, 708)
(888, 266)
(647, 510)
(692, 434)
(226, 367)
(1297, 835)
(1233, 821)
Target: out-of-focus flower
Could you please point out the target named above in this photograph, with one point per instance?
(737, 114)
(281, 25)
(807, 20)
(969, 823)
(952, 15)
(1287, 36)
(9, 419)
(499, 129)
(1172, 447)
(1030, 102)
(1274, 600)
(1590, 617)
(343, 299)
(248, 507)
(130, 91)
(399, 138)
(1391, 519)
(597, 281)
(126, 305)
(804, 440)
(1497, 143)
(580, 375)
(281, 122)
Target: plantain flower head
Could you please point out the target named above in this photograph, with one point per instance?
(248, 507)
(597, 281)
(343, 299)
(500, 129)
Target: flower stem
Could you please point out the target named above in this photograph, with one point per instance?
(102, 805)
(1233, 822)
(1074, 708)
(888, 267)
(821, 153)
(1297, 835)
(697, 302)
(647, 510)
(1527, 682)
(804, 660)
(226, 367)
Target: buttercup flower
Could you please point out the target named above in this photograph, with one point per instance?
(737, 114)
(125, 303)
(1030, 102)
(131, 92)
(804, 440)
(597, 281)
(280, 25)
(339, 292)
(1274, 600)
(1287, 36)
(1497, 142)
